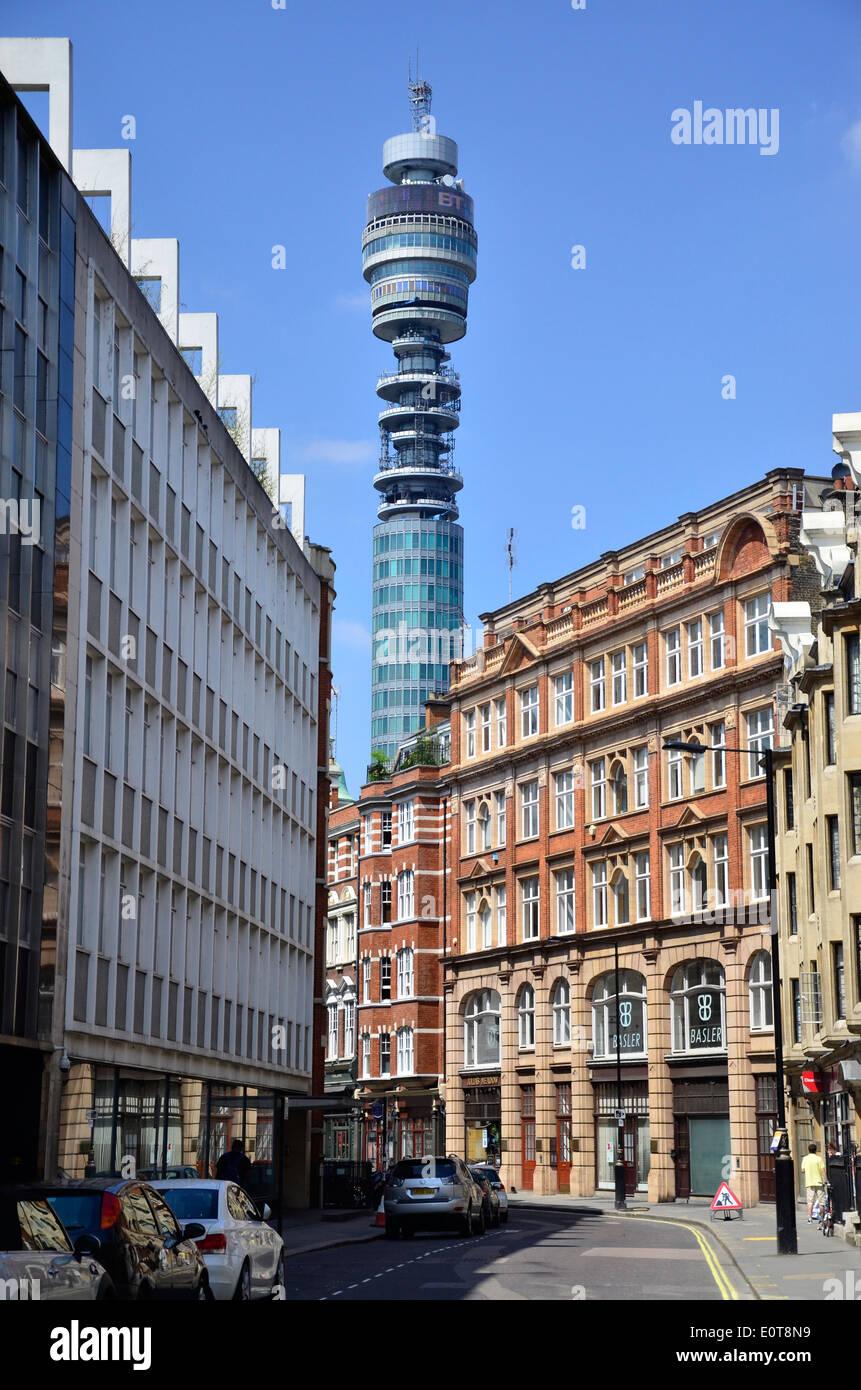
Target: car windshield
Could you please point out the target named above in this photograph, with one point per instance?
(78, 1211)
(424, 1168)
(191, 1203)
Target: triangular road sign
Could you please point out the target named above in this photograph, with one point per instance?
(725, 1199)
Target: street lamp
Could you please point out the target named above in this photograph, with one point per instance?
(784, 1174)
(619, 1165)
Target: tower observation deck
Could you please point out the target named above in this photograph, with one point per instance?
(419, 253)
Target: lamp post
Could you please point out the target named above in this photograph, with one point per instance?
(619, 1165)
(784, 1169)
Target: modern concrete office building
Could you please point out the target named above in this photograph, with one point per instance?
(167, 661)
(37, 324)
(419, 252)
(389, 854)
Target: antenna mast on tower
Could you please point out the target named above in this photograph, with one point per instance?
(420, 97)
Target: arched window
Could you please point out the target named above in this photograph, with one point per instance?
(405, 973)
(619, 783)
(621, 898)
(470, 921)
(631, 1009)
(526, 1017)
(481, 1029)
(405, 1051)
(485, 922)
(699, 883)
(761, 996)
(561, 1013)
(698, 1007)
(484, 826)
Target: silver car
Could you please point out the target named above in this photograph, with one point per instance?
(486, 1170)
(432, 1193)
(37, 1258)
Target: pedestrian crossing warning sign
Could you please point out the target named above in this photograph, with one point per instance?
(725, 1201)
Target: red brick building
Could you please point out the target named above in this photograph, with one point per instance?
(575, 833)
(387, 904)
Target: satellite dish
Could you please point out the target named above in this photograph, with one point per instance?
(448, 180)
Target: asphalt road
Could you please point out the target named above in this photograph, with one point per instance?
(537, 1255)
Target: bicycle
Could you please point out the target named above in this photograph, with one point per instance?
(826, 1212)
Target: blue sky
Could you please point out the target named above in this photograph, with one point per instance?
(598, 387)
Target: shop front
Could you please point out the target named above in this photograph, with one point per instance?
(396, 1127)
(118, 1121)
(482, 1098)
(636, 1147)
(831, 1093)
(701, 1141)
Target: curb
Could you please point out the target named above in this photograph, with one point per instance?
(634, 1215)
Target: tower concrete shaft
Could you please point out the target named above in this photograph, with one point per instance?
(419, 258)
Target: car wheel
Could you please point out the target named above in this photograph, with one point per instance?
(466, 1223)
(280, 1277)
(503, 1216)
(481, 1224)
(242, 1293)
(393, 1229)
(496, 1218)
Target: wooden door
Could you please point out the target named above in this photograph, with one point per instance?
(527, 1136)
(563, 1136)
(766, 1119)
(682, 1160)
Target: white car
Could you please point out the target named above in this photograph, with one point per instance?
(38, 1260)
(486, 1170)
(243, 1254)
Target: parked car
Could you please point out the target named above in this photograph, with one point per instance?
(142, 1246)
(244, 1255)
(38, 1259)
(434, 1192)
(486, 1170)
(184, 1170)
(491, 1198)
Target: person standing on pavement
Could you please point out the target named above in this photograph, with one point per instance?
(813, 1168)
(235, 1165)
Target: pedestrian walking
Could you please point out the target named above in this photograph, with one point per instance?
(813, 1168)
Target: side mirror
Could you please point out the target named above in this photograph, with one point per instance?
(193, 1231)
(87, 1244)
(267, 1211)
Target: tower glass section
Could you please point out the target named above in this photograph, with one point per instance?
(419, 258)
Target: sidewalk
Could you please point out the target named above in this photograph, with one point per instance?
(306, 1231)
(748, 1241)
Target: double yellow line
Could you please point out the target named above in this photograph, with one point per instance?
(727, 1292)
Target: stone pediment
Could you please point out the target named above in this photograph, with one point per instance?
(613, 835)
(482, 868)
(691, 815)
(521, 652)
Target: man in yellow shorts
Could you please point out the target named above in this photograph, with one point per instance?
(813, 1168)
